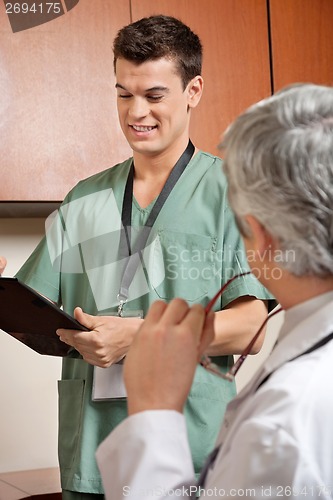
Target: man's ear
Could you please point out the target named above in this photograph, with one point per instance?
(194, 91)
(260, 238)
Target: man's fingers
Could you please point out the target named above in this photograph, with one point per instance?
(155, 313)
(195, 320)
(3, 263)
(175, 312)
(62, 334)
(168, 314)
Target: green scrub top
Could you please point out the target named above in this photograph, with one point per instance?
(194, 248)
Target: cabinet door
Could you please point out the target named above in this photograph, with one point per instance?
(302, 41)
(236, 69)
(58, 118)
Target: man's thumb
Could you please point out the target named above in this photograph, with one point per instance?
(83, 318)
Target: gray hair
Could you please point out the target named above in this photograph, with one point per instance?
(279, 166)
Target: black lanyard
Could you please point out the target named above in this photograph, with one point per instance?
(126, 218)
(316, 346)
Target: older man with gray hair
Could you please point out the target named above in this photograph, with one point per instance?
(277, 436)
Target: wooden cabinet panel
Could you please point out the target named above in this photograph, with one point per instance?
(302, 41)
(236, 71)
(58, 118)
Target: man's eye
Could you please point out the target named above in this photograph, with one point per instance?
(155, 98)
(124, 96)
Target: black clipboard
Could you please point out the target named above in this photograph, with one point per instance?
(33, 319)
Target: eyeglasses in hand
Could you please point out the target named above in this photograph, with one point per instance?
(207, 363)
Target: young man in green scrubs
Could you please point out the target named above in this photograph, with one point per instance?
(179, 244)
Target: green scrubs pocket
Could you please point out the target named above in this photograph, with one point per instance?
(70, 410)
(189, 261)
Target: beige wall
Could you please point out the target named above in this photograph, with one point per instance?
(252, 363)
(28, 391)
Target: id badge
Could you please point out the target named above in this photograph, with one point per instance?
(108, 383)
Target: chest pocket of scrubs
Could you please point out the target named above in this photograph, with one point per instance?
(183, 265)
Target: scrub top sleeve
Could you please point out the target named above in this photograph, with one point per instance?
(234, 262)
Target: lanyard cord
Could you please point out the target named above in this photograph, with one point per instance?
(126, 218)
(316, 346)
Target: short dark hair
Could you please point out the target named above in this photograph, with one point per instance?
(160, 36)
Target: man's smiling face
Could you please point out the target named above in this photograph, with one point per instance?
(152, 105)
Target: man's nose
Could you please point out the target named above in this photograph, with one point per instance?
(138, 108)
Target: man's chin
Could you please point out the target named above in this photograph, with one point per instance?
(145, 149)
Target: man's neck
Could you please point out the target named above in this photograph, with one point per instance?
(292, 290)
(157, 166)
(151, 173)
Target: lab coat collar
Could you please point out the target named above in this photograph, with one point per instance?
(305, 334)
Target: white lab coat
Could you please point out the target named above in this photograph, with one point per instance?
(276, 440)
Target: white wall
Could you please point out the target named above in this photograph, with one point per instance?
(28, 390)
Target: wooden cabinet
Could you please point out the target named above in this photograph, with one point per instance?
(302, 41)
(58, 118)
(235, 62)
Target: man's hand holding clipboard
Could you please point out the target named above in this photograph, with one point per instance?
(3, 263)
